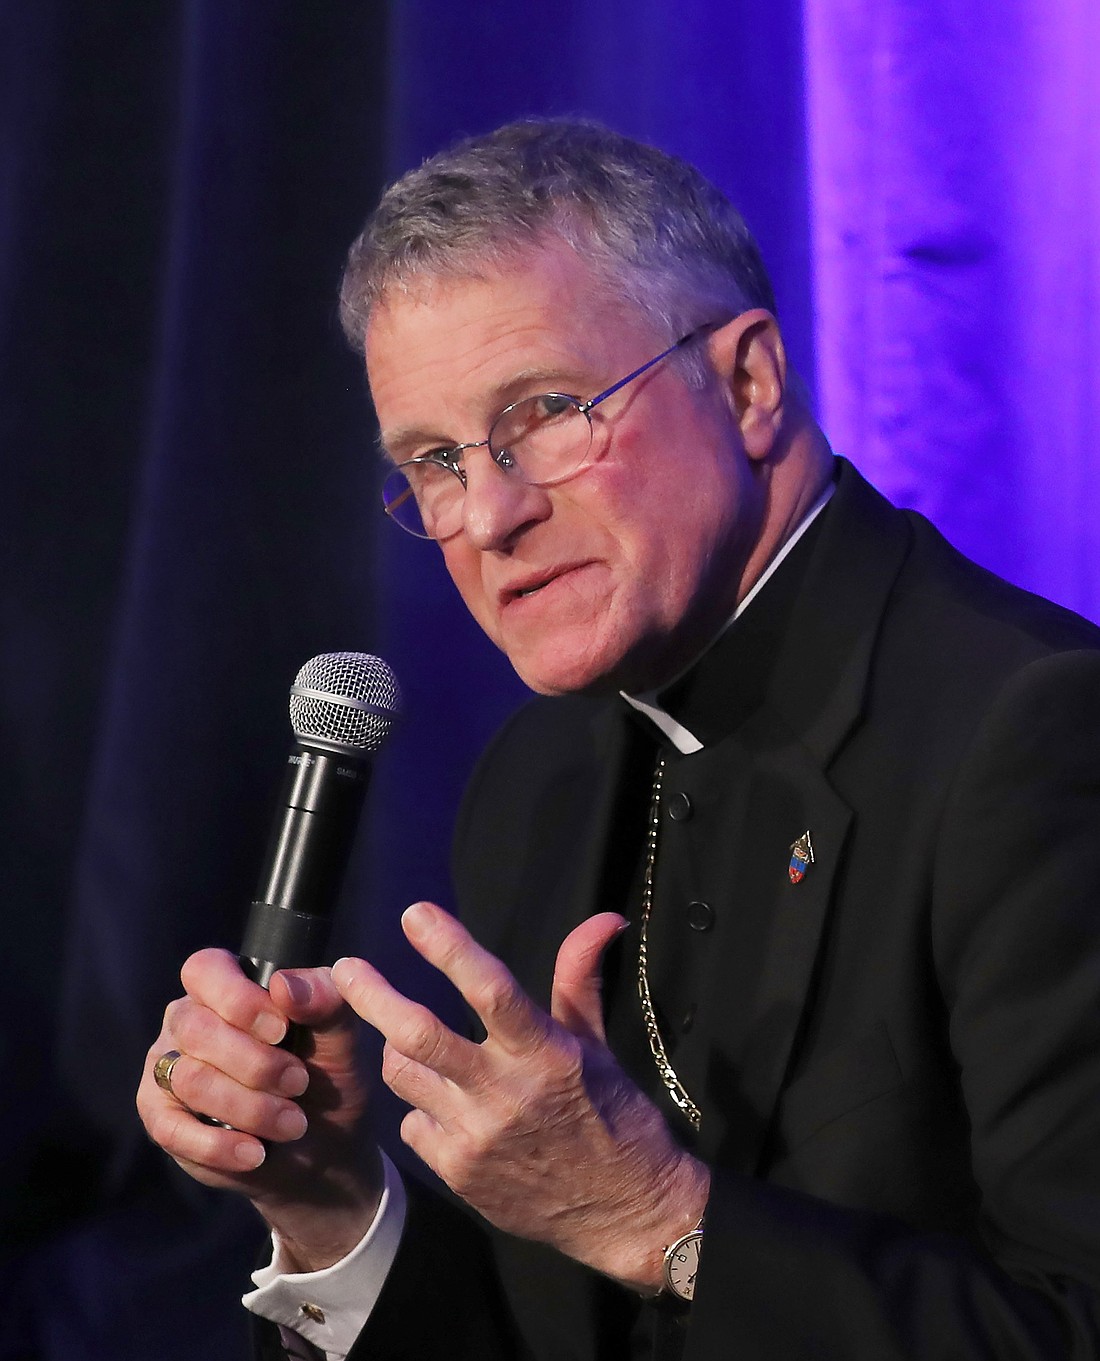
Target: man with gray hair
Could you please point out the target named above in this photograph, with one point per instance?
(777, 923)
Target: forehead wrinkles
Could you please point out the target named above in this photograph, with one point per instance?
(439, 376)
(456, 353)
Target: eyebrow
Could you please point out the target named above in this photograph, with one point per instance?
(396, 445)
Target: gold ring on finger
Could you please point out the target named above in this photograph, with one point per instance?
(162, 1070)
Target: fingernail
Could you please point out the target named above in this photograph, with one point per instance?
(250, 1155)
(294, 1082)
(418, 916)
(292, 1124)
(300, 989)
(269, 1028)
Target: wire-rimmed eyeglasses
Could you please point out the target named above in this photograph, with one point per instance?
(542, 439)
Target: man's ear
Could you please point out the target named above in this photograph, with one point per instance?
(751, 362)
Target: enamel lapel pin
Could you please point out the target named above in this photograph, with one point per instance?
(802, 857)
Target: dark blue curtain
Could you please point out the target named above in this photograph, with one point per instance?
(188, 483)
(185, 445)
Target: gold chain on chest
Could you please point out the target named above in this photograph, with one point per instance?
(676, 1089)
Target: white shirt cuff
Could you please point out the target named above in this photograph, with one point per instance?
(330, 1307)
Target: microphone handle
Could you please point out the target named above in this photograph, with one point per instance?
(288, 925)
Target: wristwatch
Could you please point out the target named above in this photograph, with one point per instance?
(682, 1262)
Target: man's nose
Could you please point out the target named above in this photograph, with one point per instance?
(498, 503)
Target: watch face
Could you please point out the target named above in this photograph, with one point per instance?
(681, 1265)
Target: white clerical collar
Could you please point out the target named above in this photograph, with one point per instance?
(684, 741)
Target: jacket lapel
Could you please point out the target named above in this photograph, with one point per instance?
(781, 757)
(612, 737)
(584, 817)
(754, 1062)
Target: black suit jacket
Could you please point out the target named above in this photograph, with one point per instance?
(902, 1110)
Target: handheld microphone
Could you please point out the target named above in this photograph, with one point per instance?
(342, 707)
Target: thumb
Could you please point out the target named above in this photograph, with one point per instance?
(575, 997)
(306, 996)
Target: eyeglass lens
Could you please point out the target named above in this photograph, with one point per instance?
(541, 439)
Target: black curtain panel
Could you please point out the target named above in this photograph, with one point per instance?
(186, 453)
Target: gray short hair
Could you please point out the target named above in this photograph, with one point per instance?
(651, 225)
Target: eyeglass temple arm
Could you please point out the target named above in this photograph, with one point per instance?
(398, 501)
(586, 407)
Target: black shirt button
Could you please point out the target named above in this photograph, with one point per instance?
(689, 1019)
(679, 807)
(700, 916)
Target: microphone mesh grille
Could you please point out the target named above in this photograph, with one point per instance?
(328, 718)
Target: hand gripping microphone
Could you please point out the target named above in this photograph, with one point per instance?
(342, 707)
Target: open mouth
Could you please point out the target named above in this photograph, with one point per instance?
(536, 584)
(532, 587)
